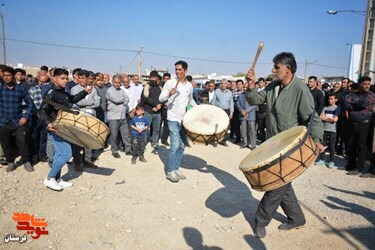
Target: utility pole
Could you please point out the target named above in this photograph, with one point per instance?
(3, 35)
(307, 64)
(139, 61)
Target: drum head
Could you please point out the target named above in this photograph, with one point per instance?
(206, 119)
(78, 136)
(272, 148)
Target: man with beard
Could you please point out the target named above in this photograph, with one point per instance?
(152, 105)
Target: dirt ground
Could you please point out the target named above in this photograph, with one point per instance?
(124, 206)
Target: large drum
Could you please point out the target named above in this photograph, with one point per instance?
(81, 129)
(280, 159)
(206, 124)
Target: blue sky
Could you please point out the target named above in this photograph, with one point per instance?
(217, 30)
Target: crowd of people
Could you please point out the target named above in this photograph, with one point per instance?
(136, 115)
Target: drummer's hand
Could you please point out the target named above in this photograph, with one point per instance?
(250, 78)
(320, 147)
(50, 128)
(22, 121)
(230, 117)
(172, 91)
(88, 89)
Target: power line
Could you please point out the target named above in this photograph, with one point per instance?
(150, 53)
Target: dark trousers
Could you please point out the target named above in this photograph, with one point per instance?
(261, 128)
(14, 139)
(164, 123)
(119, 130)
(329, 138)
(284, 197)
(138, 145)
(38, 143)
(358, 146)
(235, 126)
(343, 135)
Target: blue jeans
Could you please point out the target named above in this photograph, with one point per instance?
(155, 120)
(178, 139)
(63, 152)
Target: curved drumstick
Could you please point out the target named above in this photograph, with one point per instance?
(260, 47)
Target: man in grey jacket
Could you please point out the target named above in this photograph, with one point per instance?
(117, 102)
(87, 105)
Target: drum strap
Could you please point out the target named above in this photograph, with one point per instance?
(61, 107)
(289, 152)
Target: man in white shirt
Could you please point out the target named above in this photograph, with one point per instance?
(137, 88)
(211, 91)
(132, 104)
(178, 93)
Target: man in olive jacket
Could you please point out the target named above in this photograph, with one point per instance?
(289, 104)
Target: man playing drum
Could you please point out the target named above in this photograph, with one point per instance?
(289, 104)
(48, 113)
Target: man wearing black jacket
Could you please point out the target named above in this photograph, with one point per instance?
(317, 94)
(150, 100)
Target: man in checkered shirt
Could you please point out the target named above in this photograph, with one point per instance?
(13, 122)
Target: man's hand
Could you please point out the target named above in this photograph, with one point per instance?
(158, 106)
(88, 89)
(140, 131)
(154, 109)
(243, 112)
(319, 147)
(250, 78)
(230, 117)
(50, 128)
(172, 91)
(22, 121)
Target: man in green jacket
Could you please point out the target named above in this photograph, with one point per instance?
(289, 104)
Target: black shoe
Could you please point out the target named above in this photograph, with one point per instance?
(187, 145)
(223, 143)
(367, 175)
(353, 172)
(128, 153)
(43, 159)
(243, 146)
(134, 159)
(289, 226)
(237, 141)
(142, 159)
(121, 149)
(11, 167)
(28, 167)
(260, 232)
(116, 155)
(3, 162)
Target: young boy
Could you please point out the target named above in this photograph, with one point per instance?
(330, 116)
(139, 125)
(48, 113)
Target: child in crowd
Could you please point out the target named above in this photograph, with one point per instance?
(330, 116)
(139, 125)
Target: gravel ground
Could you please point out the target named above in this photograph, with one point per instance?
(124, 206)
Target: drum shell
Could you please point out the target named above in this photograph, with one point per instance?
(283, 170)
(81, 129)
(205, 139)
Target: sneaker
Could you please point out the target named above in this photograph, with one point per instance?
(165, 142)
(320, 163)
(260, 232)
(90, 164)
(172, 176)
(52, 184)
(77, 167)
(134, 159)
(11, 167)
(179, 175)
(116, 155)
(27, 166)
(43, 159)
(142, 159)
(155, 151)
(367, 175)
(331, 164)
(289, 226)
(64, 184)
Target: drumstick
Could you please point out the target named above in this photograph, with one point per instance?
(260, 47)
